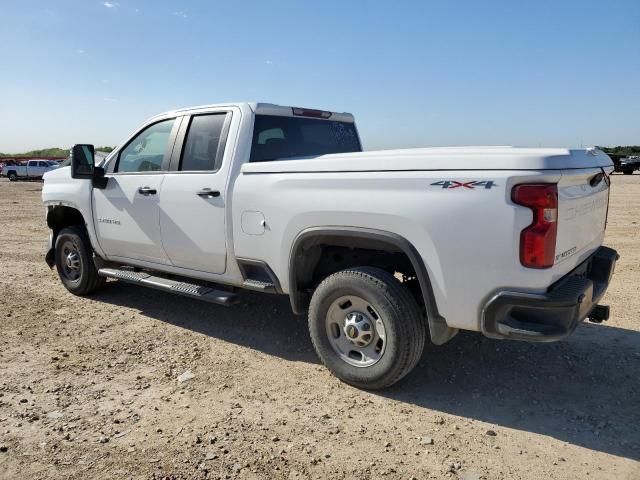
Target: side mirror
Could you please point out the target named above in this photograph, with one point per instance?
(82, 161)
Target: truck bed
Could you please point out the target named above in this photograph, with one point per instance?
(453, 204)
(440, 158)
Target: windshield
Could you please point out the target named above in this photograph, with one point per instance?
(277, 137)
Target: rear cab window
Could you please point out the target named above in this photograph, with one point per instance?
(280, 137)
(203, 148)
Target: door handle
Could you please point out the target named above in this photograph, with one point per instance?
(208, 193)
(147, 191)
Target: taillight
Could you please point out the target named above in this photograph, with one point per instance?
(538, 240)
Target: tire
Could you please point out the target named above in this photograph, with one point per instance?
(12, 177)
(380, 295)
(74, 262)
(628, 172)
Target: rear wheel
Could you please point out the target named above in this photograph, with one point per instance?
(12, 176)
(366, 327)
(74, 263)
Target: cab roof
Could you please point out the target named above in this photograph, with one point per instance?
(261, 108)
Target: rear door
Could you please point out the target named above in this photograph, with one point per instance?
(126, 212)
(192, 204)
(583, 199)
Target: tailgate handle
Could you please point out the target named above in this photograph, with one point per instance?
(596, 179)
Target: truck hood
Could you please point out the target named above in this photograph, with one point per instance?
(59, 172)
(441, 158)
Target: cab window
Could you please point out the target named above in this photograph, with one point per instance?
(204, 145)
(278, 137)
(145, 153)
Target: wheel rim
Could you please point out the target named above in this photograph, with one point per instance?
(356, 331)
(71, 261)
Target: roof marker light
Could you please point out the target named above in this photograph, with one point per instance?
(308, 112)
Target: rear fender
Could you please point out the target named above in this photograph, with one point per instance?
(439, 330)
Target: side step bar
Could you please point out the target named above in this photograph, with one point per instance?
(259, 286)
(191, 290)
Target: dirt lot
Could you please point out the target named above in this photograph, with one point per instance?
(89, 386)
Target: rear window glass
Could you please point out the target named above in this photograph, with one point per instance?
(276, 137)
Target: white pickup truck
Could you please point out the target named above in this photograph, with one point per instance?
(33, 169)
(383, 249)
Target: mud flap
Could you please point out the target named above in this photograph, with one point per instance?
(50, 256)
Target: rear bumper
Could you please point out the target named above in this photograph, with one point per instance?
(545, 317)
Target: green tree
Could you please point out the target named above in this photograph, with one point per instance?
(622, 150)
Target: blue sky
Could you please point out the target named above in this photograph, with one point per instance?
(415, 73)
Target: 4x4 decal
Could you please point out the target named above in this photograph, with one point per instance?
(487, 184)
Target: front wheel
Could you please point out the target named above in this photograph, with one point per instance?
(366, 327)
(75, 266)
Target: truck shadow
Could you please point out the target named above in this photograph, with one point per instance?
(260, 321)
(584, 391)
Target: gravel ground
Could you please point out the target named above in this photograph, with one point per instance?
(96, 387)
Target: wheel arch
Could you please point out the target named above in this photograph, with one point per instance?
(366, 238)
(60, 216)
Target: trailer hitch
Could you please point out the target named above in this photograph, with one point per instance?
(599, 313)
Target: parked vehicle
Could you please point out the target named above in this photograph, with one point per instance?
(380, 248)
(33, 169)
(630, 164)
(624, 164)
(6, 163)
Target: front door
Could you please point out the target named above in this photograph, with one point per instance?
(192, 205)
(126, 212)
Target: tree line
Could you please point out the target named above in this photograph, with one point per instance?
(622, 150)
(50, 152)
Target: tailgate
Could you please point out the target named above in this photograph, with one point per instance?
(583, 199)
